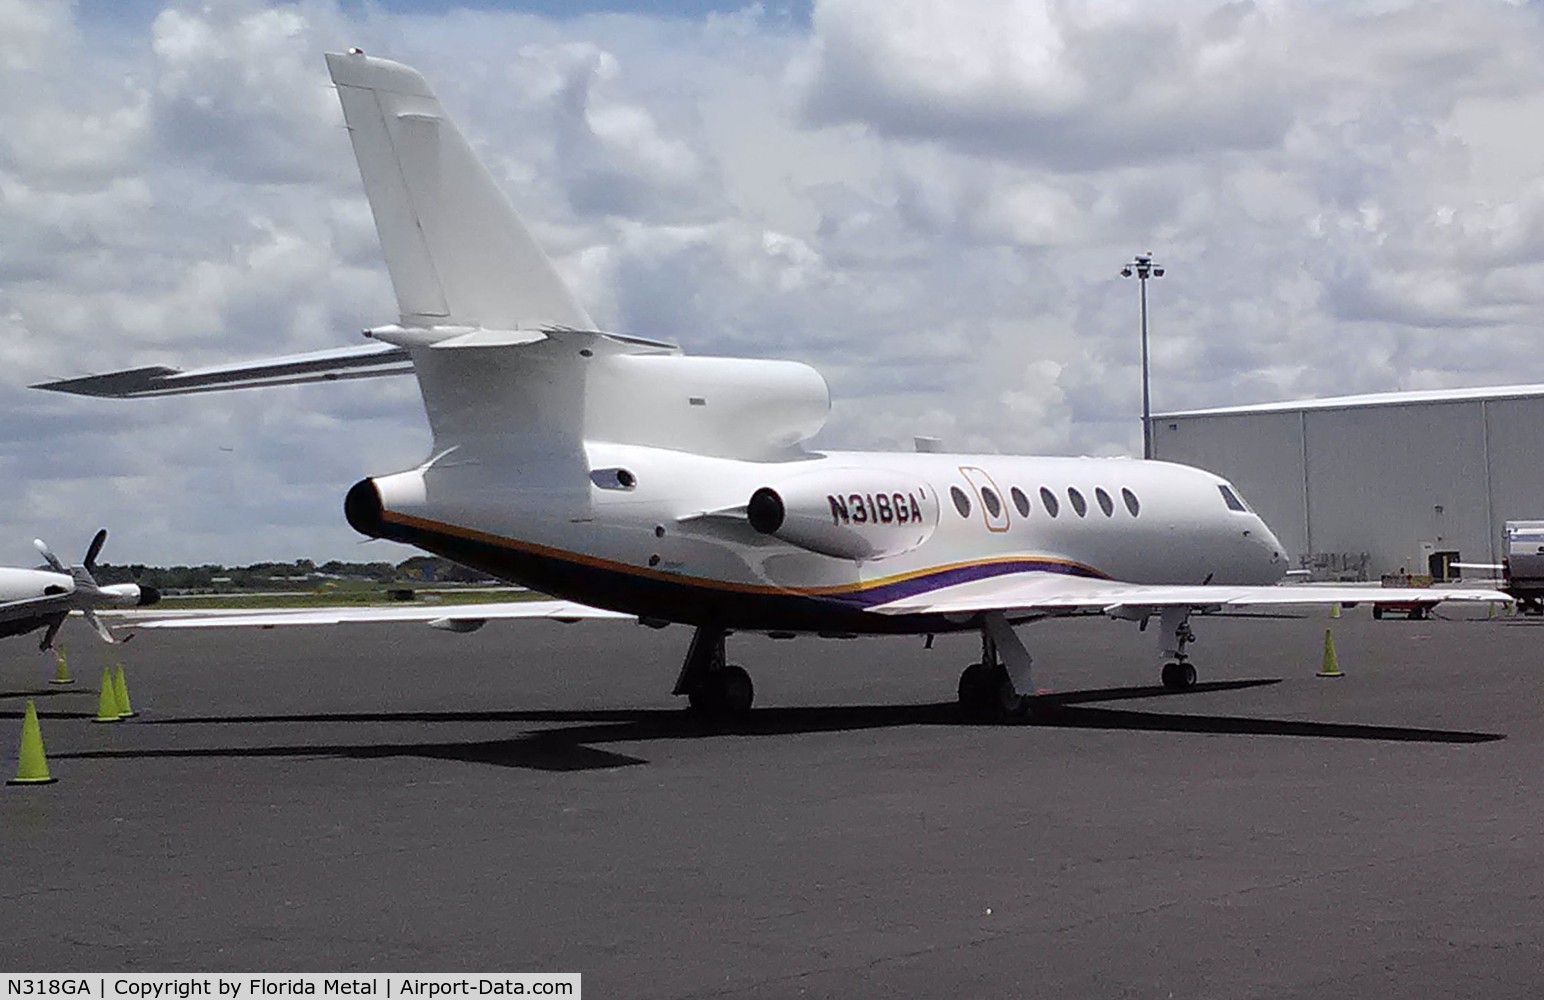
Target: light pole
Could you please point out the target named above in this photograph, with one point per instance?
(1143, 267)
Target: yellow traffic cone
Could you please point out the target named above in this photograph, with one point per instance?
(107, 699)
(1335, 610)
(61, 667)
(1331, 665)
(31, 764)
(121, 693)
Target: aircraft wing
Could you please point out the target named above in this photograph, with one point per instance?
(454, 617)
(367, 361)
(1055, 593)
(33, 606)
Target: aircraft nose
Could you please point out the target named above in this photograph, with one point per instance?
(148, 595)
(1273, 549)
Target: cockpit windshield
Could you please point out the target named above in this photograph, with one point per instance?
(1232, 499)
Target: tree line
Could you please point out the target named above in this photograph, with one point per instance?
(302, 574)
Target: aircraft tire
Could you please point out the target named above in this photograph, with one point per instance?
(1178, 676)
(734, 690)
(976, 691)
(987, 695)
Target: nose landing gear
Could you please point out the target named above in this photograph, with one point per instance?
(1178, 676)
(1173, 636)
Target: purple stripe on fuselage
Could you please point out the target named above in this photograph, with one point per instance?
(885, 593)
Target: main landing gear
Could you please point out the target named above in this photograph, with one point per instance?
(711, 685)
(997, 688)
(1173, 636)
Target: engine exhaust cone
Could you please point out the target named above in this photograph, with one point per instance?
(362, 508)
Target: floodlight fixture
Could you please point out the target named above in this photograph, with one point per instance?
(1143, 267)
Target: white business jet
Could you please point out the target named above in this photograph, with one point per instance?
(33, 599)
(630, 479)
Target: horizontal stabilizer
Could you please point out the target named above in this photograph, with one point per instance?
(369, 361)
(494, 338)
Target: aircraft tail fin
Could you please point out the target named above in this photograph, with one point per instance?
(456, 251)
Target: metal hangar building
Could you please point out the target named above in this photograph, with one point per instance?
(1359, 486)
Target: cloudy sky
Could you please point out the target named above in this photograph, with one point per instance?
(929, 201)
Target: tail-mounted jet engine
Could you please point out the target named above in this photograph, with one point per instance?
(847, 513)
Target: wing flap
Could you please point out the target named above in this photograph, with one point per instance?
(1055, 592)
(368, 361)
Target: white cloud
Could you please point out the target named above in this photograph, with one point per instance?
(236, 87)
(928, 201)
(1071, 85)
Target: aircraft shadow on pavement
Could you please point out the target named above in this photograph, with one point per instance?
(19, 698)
(570, 744)
(536, 751)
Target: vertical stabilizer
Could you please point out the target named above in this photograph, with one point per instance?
(457, 252)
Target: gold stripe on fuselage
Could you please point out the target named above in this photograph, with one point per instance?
(534, 548)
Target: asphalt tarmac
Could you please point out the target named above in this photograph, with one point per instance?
(531, 798)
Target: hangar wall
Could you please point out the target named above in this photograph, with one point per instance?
(1397, 477)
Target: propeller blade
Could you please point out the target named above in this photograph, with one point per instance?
(53, 630)
(48, 555)
(96, 623)
(94, 550)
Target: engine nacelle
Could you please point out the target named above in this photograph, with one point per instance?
(743, 408)
(847, 513)
(132, 594)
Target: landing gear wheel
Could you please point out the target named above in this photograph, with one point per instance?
(1179, 676)
(975, 688)
(725, 691)
(987, 695)
(735, 690)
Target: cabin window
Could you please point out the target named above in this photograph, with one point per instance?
(1105, 503)
(1078, 503)
(1048, 500)
(994, 506)
(1020, 501)
(1231, 499)
(1132, 503)
(961, 501)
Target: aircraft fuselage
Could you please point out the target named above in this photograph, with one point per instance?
(672, 536)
